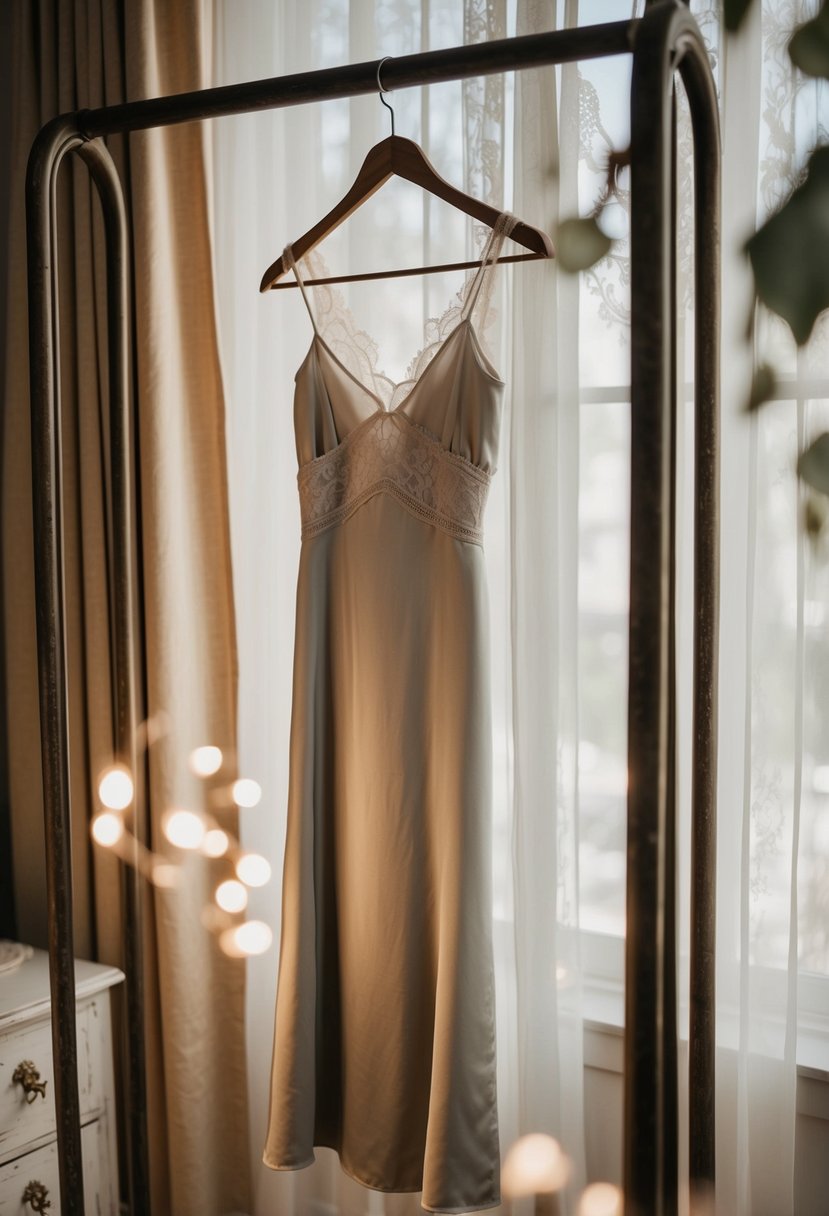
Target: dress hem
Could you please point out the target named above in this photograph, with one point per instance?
(301, 1165)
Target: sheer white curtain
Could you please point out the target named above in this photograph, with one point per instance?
(556, 541)
(274, 175)
(772, 892)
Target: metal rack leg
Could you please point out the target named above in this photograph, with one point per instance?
(53, 143)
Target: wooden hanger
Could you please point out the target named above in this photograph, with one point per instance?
(403, 158)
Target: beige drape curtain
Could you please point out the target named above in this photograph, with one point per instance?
(65, 57)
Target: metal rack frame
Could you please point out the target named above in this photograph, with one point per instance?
(665, 41)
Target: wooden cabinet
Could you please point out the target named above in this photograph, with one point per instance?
(28, 1145)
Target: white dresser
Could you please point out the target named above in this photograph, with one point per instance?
(28, 1145)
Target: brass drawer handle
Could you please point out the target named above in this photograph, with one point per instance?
(37, 1197)
(29, 1077)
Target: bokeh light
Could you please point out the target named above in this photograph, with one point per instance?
(231, 896)
(184, 829)
(165, 874)
(246, 792)
(601, 1199)
(535, 1165)
(253, 937)
(216, 843)
(205, 761)
(107, 828)
(253, 869)
(116, 788)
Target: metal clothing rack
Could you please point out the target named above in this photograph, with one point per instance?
(664, 41)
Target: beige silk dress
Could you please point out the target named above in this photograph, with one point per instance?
(384, 1041)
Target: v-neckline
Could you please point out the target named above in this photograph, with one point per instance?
(495, 235)
(416, 381)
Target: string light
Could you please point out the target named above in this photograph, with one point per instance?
(165, 874)
(247, 792)
(601, 1199)
(205, 761)
(253, 869)
(184, 829)
(188, 829)
(253, 937)
(107, 828)
(231, 896)
(115, 788)
(535, 1165)
(216, 843)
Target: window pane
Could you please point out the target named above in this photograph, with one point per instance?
(603, 646)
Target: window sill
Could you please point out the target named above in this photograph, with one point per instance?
(604, 1010)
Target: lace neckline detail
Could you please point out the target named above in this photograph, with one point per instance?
(358, 352)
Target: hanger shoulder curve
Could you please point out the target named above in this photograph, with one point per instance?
(398, 156)
(374, 171)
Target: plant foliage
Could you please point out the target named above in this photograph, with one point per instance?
(809, 46)
(790, 253)
(580, 244)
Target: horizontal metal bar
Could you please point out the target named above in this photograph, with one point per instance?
(352, 80)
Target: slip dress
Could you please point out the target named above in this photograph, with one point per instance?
(384, 1037)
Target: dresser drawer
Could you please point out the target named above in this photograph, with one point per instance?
(23, 1122)
(42, 1166)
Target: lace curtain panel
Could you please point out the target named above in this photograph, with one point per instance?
(555, 536)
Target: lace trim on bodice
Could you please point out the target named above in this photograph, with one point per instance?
(357, 350)
(388, 453)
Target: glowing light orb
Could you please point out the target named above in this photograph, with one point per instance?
(215, 843)
(253, 937)
(253, 869)
(246, 792)
(107, 828)
(231, 896)
(165, 874)
(205, 761)
(184, 829)
(535, 1165)
(601, 1199)
(115, 788)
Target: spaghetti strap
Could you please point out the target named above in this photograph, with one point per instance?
(289, 260)
(502, 227)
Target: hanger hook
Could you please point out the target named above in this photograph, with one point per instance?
(382, 90)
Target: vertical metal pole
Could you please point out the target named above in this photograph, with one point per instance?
(702, 98)
(48, 150)
(107, 181)
(650, 1151)
(53, 142)
(670, 1061)
(649, 1022)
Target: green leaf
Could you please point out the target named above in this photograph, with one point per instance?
(815, 511)
(790, 253)
(809, 46)
(763, 387)
(580, 244)
(735, 10)
(813, 464)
